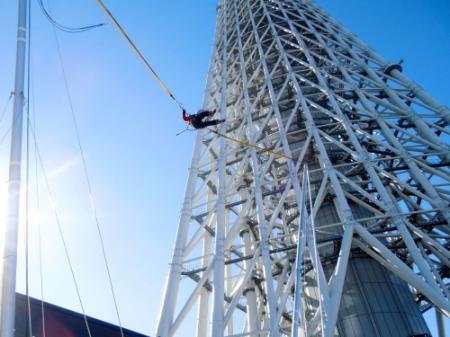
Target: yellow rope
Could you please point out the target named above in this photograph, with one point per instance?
(138, 52)
(166, 88)
(247, 144)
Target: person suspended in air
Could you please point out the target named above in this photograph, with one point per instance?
(201, 119)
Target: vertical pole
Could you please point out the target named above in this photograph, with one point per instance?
(203, 301)
(301, 240)
(8, 283)
(252, 306)
(229, 328)
(219, 244)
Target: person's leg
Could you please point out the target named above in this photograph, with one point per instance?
(213, 122)
(203, 114)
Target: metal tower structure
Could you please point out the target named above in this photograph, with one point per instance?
(342, 227)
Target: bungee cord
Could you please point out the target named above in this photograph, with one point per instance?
(248, 144)
(139, 54)
(167, 89)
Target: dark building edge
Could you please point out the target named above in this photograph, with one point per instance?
(58, 319)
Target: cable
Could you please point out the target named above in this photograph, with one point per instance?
(30, 87)
(61, 233)
(88, 182)
(38, 208)
(63, 27)
(247, 144)
(27, 180)
(5, 107)
(186, 129)
(41, 274)
(39, 224)
(5, 135)
(139, 53)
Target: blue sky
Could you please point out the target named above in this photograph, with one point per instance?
(138, 166)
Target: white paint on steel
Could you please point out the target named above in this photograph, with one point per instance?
(291, 78)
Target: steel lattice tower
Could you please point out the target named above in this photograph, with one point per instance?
(362, 187)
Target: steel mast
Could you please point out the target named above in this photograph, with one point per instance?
(8, 281)
(375, 242)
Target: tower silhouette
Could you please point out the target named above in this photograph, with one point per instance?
(321, 207)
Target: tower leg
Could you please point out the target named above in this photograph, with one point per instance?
(440, 323)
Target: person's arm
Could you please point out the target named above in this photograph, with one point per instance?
(185, 116)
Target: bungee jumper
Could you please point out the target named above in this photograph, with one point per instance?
(200, 119)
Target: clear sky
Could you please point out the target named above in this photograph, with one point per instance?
(137, 165)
